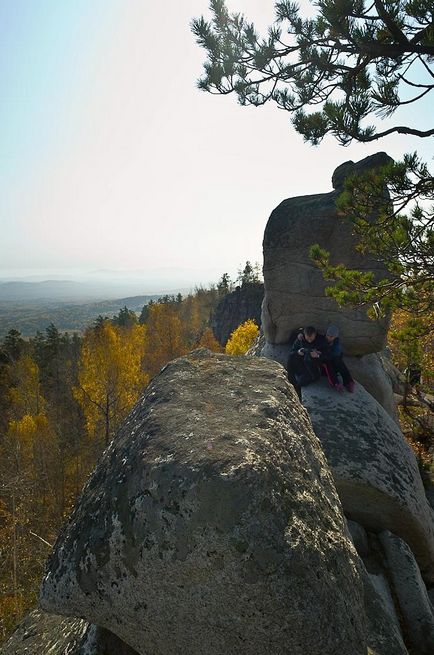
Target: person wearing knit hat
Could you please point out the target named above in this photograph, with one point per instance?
(332, 331)
(335, 361)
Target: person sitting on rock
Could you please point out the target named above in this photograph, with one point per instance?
(304, 361)
(333, 358)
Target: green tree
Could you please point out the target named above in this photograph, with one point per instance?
(224, 285)
(125, 318)
(334, 73)
(144, 314)
(250, 274)
(12, 347)
(404, 241)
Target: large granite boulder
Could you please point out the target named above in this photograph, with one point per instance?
(294, 286)
(375, 470)
(235, 308)
(212, 525)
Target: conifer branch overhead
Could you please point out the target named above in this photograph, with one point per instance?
(354, 59)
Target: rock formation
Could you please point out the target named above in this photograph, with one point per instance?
(411, 593)
(43, 634)
(294, 293)
(48, 634)
(235, 308)
(294, 286)
(375, 470)
(212, 525)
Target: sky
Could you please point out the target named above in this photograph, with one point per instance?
(111, 158)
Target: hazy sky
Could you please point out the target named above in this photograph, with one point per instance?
(111, 157)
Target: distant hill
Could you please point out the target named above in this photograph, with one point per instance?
(68, 291)
(29, 317)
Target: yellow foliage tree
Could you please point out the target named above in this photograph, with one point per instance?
(29, 491)
(242, 338)
(110, 376)
(24, 394)
(165, 337)
(208, 340)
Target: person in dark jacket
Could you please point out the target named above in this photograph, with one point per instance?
(304, 361)
(332, 356)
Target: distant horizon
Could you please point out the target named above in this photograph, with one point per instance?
(71, 273)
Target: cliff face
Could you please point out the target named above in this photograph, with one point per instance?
(294, 286)
(235, 308)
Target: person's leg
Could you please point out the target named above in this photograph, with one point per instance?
(294, 370)
(333, 373)
(326, 370)
(340, 367)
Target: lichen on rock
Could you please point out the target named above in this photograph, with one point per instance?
(212, 524)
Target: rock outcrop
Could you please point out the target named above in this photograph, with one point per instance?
(375, 470)
(45, 634)
(384, 635)
(411, 592)
(373, 371)
(294, 286)
(48, 634)
(212, 524)
(235, 308)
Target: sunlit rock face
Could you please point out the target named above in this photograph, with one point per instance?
(375, 470)
(294, 286)
(212, 524)
(49, 634)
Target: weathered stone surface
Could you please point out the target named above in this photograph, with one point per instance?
(369, 370)
(360, 167)
(277, 352)
(211, 524)
(294, 287)
(382, 587)
(359, 537)
(99, 641)
(47, 634)
(258, 344)
(384, 637)
(235, 308)
(429, 492)
(412, 595)
(375, 470)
